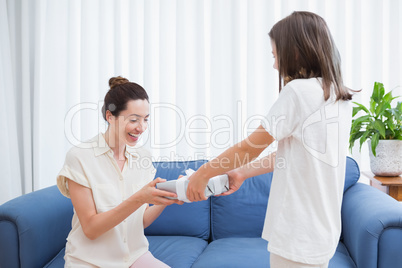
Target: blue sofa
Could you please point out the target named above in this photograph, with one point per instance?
(219, 232)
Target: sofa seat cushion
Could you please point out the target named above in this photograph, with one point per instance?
(176, 251)
(252, 252)
(341, 258)
(58, 261)
(235, 252)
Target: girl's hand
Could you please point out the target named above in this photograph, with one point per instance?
(196, 188)
(149, 194)
(236, 179)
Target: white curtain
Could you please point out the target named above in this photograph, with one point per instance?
(207, 66)
(11, 177)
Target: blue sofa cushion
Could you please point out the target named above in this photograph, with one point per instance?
(371, 226)
(9, 251)
(341, 258)
(176, 251)
(42, 221)
(190, 219)
(58, 260)
(235, 252)
(247, 207)
(389, 245)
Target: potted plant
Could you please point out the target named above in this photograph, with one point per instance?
(382, 126)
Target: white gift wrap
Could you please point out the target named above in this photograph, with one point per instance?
(216, 185)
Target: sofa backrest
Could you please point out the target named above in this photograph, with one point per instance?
(34, 228)
(352, 173)
(242, 214)
(189, 219)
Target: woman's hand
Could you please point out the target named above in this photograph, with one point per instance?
(151, 195)
(158, 198)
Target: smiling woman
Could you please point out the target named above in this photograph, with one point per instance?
(126, 109)
(110, 196)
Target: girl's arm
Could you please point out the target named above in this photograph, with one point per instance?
(236, 156)
(239, 175)
(94, 224)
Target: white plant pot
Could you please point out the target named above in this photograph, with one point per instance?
(388, 161)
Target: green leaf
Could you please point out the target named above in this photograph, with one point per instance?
(380, 127)
(372, 106)
(359, 108)
(399, 106)
(388, 114)
(361, 119)
(355, 136)
(380, 109)
(374, 143)
(378, 92)
(388, 97)
(397, 111)
(390, 123)
(364, 138)
(389, 134)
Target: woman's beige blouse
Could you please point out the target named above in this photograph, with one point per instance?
(92, 165)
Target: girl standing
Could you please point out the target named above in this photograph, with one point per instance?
(311, 122)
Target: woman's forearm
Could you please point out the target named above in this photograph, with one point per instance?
(99, 223)
(95, 224)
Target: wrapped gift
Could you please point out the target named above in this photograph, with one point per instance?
(216, 185)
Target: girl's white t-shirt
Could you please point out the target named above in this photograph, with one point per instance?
(92, 165)
(303, 218)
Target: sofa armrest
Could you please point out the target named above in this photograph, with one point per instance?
(34, 228)
(372, 227)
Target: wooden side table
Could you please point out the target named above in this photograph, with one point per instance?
(389, 185)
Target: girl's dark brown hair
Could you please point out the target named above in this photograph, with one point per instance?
(305, 49)
(121, 91)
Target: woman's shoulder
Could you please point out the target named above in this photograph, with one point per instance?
(83, 149)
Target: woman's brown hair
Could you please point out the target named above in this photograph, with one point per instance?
(305, 49)
(121, 91)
